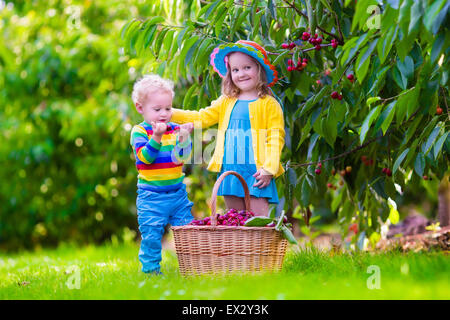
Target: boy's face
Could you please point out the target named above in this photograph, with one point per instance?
(157, 106)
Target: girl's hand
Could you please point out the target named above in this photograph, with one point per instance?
(263, 178)
(158, 128)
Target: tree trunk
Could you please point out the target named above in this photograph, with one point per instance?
(444, 201)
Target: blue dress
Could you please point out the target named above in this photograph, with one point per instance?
(239, 157)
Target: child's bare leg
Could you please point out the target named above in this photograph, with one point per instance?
(233, 202)
(260, 206)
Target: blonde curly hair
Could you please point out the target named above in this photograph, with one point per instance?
(150, 83)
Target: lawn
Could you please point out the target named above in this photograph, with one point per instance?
(113, 272)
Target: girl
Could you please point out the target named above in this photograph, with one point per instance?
(250, 125)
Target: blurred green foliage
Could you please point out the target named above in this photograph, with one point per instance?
(66, 167)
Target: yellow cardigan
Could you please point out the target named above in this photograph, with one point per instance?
(267, 130)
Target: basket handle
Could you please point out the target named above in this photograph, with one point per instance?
(216, 188)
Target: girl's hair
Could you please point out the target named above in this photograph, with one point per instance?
(150, 83)
(231, 90)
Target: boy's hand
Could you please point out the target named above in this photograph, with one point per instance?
(185, 131)
(263, 178)
(158, 128)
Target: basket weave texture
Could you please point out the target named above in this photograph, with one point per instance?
(222, 249)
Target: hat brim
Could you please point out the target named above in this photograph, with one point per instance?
(217, 60)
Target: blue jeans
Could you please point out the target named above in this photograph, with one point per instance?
(155, 210)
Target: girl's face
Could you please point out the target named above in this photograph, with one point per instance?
(157, 106)
(244, 71)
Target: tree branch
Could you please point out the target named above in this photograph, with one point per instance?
(298, 165)
(445, 102)
(292, 5)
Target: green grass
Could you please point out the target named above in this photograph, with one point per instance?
(113, 272)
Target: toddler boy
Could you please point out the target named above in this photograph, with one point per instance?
(160, 147)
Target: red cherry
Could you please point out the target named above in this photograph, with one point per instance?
(318, 82)
(292, 45)
(339, 97)
(350, 77)
(290, 62)
(319, 40)
(334, 94)
(285, 45)
(439, 111)
(318, 171)
(354, 228)
(315, 36)
(329, 185)
(304, 64)
(425, 177)
(318, 47)
(319, 165)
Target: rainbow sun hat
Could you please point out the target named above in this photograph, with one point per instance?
(219, 55)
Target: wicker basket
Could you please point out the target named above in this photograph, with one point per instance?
(223, 249)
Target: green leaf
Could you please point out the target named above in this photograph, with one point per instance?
(368, 122)
(419, 164)
(281, 57)
(416, 14)
(404, 102)
(202, 51)
(426, 147)
(394, 216)
(437, 47)
(182, 35)
(350, 50)
(439, 144)
(390, 111)
(188, 95)
(212, 7)
(311, 16)
(255, 29)
(330, 127)
(205, 8)
(258, 221)
(372, 100)
(399, 160)
(129, 25)
(386, 42)
(431, 15)
(280, 221)
(363, 61)
(399, 78)
(272, 9)
(288, 235)
(218, 24)
(306, 193)
(236, 24)
(312, 143)
(187, 45)
(406, 67)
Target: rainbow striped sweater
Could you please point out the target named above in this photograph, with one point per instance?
(159, 165)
